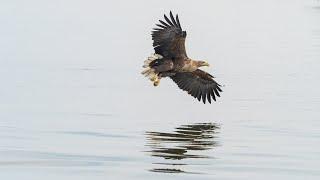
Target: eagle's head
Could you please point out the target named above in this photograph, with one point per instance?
(202, 63)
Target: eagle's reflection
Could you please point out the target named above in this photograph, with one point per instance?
(185, 142)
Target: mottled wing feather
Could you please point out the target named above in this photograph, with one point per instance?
(198, 84)
(169, 39)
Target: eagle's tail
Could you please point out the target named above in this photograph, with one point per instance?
(149, 71)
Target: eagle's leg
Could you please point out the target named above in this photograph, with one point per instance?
(161, 75)
(156, 82)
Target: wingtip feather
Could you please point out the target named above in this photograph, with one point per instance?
(172, 19)
(167, 19)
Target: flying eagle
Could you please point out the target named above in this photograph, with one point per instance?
(170, 60)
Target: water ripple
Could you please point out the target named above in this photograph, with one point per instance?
(179, 145)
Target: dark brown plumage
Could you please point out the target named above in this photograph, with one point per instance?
(171, 60)
(169, 39)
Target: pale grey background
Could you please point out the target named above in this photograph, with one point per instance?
(73, 104)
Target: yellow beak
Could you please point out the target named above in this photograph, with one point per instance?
(206, 64)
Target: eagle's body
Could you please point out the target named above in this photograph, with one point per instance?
(170, 60)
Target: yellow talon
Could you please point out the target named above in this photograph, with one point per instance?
(156, 83)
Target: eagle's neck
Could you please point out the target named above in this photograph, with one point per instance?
(189, 65)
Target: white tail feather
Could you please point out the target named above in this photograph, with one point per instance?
(150, 72)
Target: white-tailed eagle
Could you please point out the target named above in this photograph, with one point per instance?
(170, 60)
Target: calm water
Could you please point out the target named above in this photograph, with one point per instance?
(75, 106)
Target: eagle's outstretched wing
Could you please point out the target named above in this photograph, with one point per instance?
(169, 39)
(198, 84)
